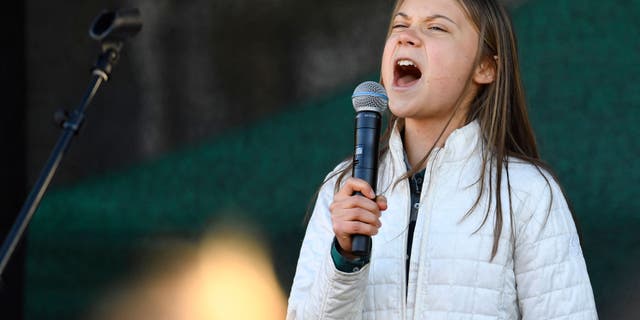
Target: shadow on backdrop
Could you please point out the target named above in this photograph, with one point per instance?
(223, 105)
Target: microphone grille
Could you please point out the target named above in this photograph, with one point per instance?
(370, 96)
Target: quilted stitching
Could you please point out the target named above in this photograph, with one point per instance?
(452, 276)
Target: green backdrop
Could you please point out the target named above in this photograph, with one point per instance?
(580, 65)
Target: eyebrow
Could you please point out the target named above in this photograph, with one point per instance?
(432, 17)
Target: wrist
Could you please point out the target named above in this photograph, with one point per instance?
(344, 263)
(344, 253)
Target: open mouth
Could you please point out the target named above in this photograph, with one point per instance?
(406, 73)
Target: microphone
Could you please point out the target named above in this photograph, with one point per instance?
(370, 100)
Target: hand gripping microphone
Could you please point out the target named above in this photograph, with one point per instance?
(370, 100)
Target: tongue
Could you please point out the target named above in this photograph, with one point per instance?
(407, 80)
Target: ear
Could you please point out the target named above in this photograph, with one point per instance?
(485, 72)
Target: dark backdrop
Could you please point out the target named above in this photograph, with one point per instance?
(215, 103)
(197, 69)
(13, 146)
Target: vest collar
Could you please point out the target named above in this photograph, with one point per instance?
(459, 146)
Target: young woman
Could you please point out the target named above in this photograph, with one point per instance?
(469, 223)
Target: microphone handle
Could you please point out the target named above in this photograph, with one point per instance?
(365, 166)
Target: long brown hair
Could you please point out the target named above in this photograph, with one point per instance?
(499, 108)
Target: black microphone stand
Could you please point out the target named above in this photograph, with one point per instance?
(111, 28)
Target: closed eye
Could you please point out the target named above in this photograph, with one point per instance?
(436, 28)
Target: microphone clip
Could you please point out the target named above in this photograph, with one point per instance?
(111, 29)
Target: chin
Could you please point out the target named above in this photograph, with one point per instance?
(400, 110)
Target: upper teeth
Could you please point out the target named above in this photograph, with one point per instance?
(405, 63)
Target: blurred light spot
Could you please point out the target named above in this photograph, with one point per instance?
(228, 276)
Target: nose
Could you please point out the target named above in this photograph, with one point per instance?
(409, 38)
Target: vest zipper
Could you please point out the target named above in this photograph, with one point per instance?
(421, 222)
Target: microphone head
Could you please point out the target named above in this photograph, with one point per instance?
(370, 96)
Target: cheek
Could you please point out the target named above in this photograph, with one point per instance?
(387, 76)
(451, 64)
(442, 60)
(386, 69)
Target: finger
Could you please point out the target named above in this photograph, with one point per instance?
(348, 228)
(355, 202)
(381, 201)
(358, 214)
(353, 185)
